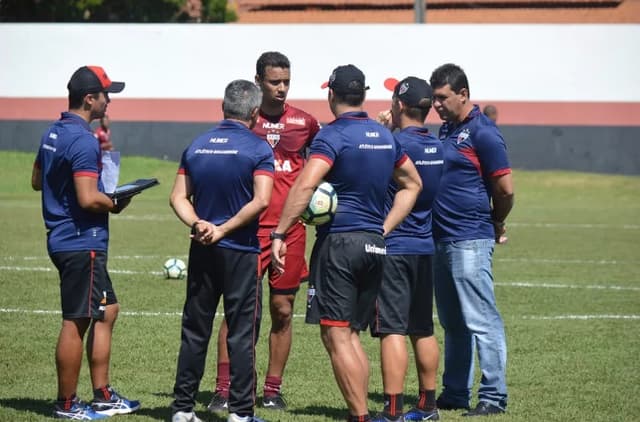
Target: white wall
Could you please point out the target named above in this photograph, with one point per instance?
(599, 63)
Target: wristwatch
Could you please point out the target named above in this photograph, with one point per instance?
(279, 236)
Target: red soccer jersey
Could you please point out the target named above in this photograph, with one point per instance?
(288, 134)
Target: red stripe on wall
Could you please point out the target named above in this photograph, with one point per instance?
(198, 110)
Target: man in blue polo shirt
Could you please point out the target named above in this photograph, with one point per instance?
(224, 182)
(76, 215)
(404, 306)
(475, 197)
(359, 157)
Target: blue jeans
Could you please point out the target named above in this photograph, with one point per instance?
(468, 313)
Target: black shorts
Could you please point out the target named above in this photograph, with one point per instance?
(346, 272)
(85, 286)
(405, 302)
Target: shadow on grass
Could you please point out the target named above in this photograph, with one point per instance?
(24, 404)
(329, 412)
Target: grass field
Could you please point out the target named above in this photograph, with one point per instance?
(567, 283)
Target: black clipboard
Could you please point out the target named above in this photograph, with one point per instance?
(133, 188)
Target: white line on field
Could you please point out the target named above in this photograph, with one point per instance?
(525, 284)
(576, 226)
(179, 314)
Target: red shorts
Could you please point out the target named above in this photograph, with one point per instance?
(295, 266)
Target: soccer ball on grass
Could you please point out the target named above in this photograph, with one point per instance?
(322, 205)
(174, 269)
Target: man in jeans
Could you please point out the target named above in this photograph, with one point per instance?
(474, 199)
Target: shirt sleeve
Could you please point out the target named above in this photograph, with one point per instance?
(324, 147)
(265, 161)
(84, 156)
(492, 152)
(182, 168)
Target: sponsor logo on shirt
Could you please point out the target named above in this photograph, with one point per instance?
(371, 146)
(48, 147)
(269, 125)
(369, 248)
(431, 150)
(372, 134)
(53, 136)
(299, 121)
(463, 136)
(429, 162)
(283, 165)
(215, 151)
(218, 140)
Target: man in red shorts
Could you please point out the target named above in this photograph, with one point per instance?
(289, 131)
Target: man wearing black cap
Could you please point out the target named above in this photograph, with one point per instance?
(76, 212)
(405, 302)
(359, 157)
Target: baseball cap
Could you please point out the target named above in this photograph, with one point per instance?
(411, 91)
(92, 79)
(346, 79)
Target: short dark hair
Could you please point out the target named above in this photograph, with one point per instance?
(273, 59)
(76, 99)
(417, 113)
(449, 74)
(351, 99)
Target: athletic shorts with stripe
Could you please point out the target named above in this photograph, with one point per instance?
(346, 272)
(405, 301)
(295, 266)
(85, 285)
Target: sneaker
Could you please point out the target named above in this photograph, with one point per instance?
(79, 411)
(445, 405)
(185, 417)
(416, 414)
(235, 418)
(218, 403)
(382, 418)
(484, 409)
(116, 405)
(275, 402)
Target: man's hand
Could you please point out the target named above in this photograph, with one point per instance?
(120, 204)
(278, 252)
(384, 118)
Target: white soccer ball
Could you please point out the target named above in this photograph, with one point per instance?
(322, 205)
(175, 268)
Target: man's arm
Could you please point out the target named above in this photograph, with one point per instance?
(409, 186)
(297, 200)
(36, 178)
(502, 200)
(262, 188)
(91, 199)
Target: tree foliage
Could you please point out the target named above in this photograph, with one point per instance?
(156, 11)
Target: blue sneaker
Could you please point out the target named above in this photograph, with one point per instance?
(79, 411)
(416, 414)
(116, 405)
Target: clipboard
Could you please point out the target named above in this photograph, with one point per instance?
(133, 188)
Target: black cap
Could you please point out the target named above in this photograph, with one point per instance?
(346, 79)
(92, 79)
(412, 91)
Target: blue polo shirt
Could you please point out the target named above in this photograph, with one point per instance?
(413, 236)
(68, 149)
(474, 151)
(221, 165)
(363, 155)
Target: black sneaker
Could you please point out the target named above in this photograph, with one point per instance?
(383, 418)
(218, 403)
(275, 402)
(484, 409)
(445, 405)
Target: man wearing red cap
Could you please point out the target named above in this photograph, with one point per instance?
(76, 212)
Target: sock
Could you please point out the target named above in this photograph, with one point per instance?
(66, 402)
(427, 399)
(272, 386)
(223, 380)
(102, 393)
(359, 418)
(393, 404)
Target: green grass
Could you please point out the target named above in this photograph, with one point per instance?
(567, 283)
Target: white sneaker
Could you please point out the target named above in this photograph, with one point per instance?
(235, 418)
(185, 417)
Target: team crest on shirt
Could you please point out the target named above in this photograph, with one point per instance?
(463, 136)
